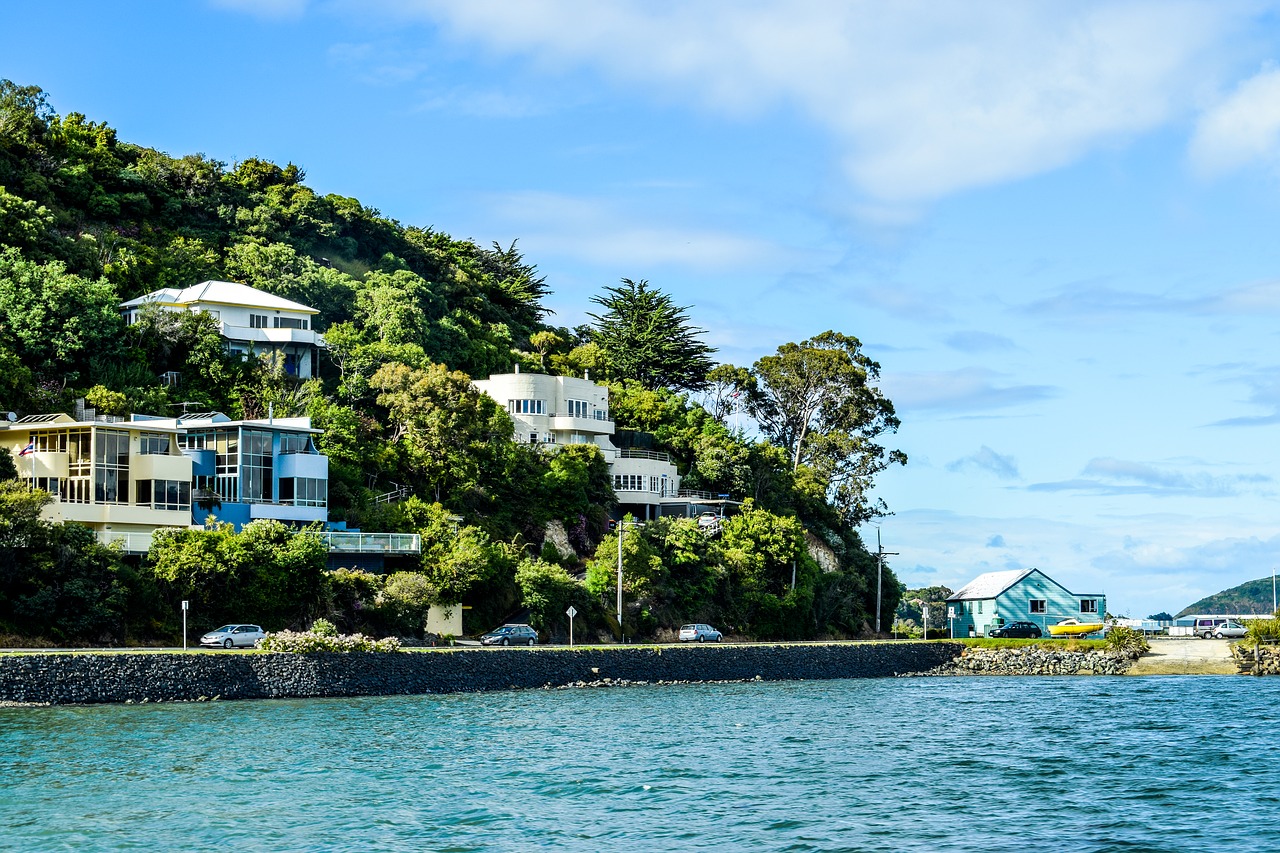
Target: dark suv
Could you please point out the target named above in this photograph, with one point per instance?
(1026, 630)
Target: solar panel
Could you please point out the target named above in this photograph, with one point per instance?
(38, 419)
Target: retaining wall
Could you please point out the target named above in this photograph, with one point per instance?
(123, 677)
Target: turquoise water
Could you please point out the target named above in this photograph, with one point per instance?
(1078, 764)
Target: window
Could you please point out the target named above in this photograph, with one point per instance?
(111, 469)
(294, 443)
(628, 483)
(577, 408)
(195, 441)
(526, 407)
(257, 321)
(153, 444)
(1039, 605)
(979, 606)
(1088, 605)
(257, 465)
(290, 323)
(304, 491)
(163, 494)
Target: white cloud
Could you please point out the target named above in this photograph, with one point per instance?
(923, 98)
(986, 459)
(597, 231)
(1242, 130)
(967, 389)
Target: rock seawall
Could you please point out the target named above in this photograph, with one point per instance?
(1035, 660)
(1260, 660)
(61, 679)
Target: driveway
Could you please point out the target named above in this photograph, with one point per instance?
(1185, 656)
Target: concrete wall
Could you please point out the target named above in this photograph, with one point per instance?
(122, 677)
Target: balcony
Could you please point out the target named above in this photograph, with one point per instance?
(373, 543)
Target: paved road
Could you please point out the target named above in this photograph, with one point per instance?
(1185, 656)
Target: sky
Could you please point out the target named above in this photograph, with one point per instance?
(1053, 224)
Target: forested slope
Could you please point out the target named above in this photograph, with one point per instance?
(410, 315)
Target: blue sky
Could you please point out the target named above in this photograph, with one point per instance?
(1052, 223)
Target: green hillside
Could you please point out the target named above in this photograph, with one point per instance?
(410, 316)
(1248, 597)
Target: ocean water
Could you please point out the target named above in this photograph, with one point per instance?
(972, 764)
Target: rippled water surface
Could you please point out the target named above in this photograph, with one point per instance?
(1079, 764)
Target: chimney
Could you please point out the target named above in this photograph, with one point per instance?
(517, 367)
(586, 374)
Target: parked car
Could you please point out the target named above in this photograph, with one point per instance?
(510, 635)
(698, 632)
(1026, 630)
(1230, 631)
(1205, 626)
(232, 636)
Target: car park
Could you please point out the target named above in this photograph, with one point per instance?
(233, 636)
(1026, 630)
(1230, 631)
(700, 633)
(510, 635)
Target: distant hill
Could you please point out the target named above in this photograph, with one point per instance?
(1248, 597)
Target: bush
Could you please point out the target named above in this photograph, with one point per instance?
(309, 642)
(324, 628)
(1127, 641)
(1263, 630)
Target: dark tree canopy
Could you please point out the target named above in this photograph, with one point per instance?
(645, 336)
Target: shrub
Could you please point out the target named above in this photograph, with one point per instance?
(309, 642)
(1128, 641)
(1263, 630)
(324, 628)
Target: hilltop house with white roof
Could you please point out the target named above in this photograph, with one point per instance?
(251, 320)
(559, 410)
(1019, 595)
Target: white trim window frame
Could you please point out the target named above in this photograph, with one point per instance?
(1037, 606)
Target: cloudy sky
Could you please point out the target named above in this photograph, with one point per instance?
(1054, 224)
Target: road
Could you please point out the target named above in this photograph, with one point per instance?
(1185, 656)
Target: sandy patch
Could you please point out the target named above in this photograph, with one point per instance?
(1183, 656)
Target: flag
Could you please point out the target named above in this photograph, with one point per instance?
(28, 450)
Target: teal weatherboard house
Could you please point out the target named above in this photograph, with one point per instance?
(1021, 595)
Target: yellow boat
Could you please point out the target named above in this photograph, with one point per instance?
(1074, 628)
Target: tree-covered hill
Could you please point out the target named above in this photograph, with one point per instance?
(410, 316)
(1249, 597)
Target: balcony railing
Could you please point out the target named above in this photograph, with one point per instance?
(373, 543)
(644, 454)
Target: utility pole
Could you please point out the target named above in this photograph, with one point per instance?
(881, 553)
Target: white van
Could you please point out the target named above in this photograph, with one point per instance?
(1206, 625)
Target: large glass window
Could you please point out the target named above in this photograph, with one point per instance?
(153, 444)
(257, 465)
(304, 491)
(111, 467)
(227, 456)
(290, 323)
(577, 408)
(628, 483)
(293, 442)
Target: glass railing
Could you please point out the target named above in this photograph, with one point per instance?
(372, 543)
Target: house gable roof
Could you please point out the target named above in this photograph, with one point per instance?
(221, 293)
(989, 585)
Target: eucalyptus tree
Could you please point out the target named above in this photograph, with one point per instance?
(819, 401)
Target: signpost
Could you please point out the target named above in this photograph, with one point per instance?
(571, 612)
(184, 625)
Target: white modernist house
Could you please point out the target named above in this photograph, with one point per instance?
(251, 320)
(559, 410)
(121, 479)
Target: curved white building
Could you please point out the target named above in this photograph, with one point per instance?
(561, 410)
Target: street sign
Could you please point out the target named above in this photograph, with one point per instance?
(184, 605)
(571, 612)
